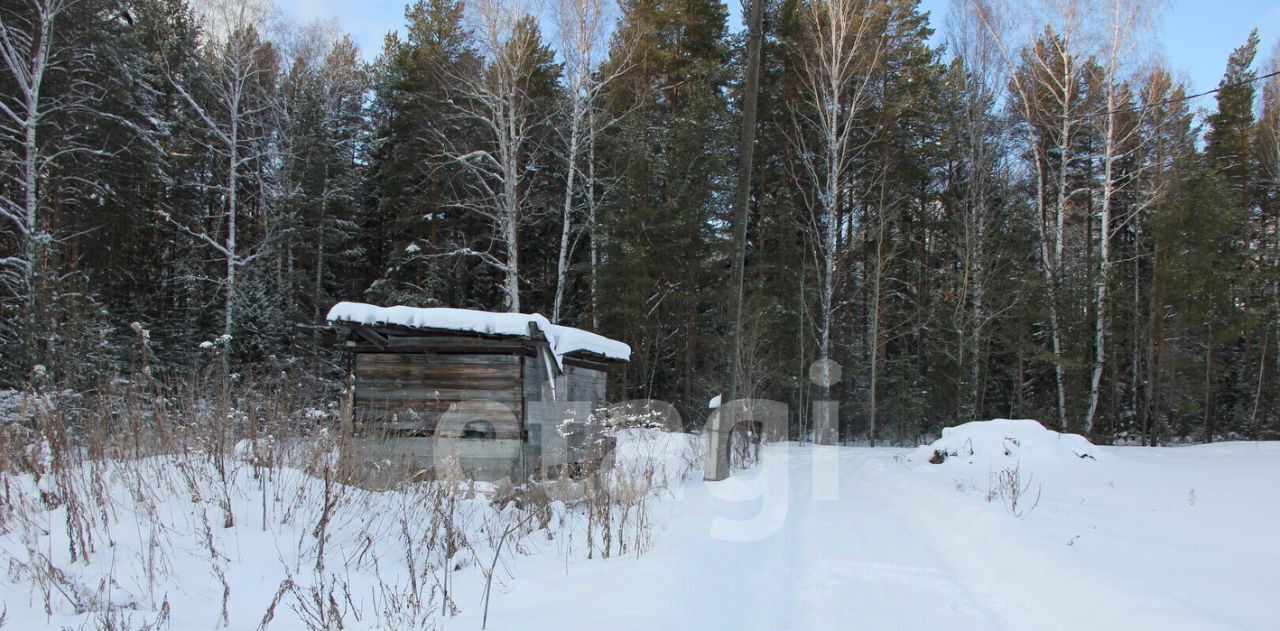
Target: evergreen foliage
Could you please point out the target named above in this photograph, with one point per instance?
(210, 177)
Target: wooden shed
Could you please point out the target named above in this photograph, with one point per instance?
(501, 391)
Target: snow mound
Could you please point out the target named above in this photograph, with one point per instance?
(1006, 440)
(562, 339)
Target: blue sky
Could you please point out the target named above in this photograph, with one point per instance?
(1195, 35)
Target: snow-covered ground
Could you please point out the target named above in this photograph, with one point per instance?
(1128, 538)
(814, 538)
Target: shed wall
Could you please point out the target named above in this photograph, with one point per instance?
(401, 399)
(407, 393)
(579, 382)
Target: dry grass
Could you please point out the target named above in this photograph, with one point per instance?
(1013, 490)
(109, 498)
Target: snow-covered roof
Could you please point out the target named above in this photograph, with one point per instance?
(563, 340)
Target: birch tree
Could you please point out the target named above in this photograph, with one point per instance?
(840, 47)
(620, 58)
(46, 68)
(1127, 21)
(981, 145)
(1046, 97)
(230, 95)
(498, 103)
(582, 27)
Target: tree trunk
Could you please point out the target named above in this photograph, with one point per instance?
(877, 287)
(742, 193)
(1101, 281)
(1208, 391)
(30, 79)
(977, 274)
(566, 219)
(31, 160)
(228, 322)
(592, 219)
(509, 149)
(511, 286)
(1056, 266)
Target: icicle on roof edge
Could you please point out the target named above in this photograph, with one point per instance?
(563, 340)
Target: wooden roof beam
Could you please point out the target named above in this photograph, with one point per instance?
(372, 336)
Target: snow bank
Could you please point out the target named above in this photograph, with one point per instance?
(563, 340)
(1006, 440)
(1037, 582)
(670, 456)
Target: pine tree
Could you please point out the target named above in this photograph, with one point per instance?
(901, 156)
(325, 139)
(1228, 140)
(667, 155)
(410, 184)
(1228, 146)
(1198, 260)
(1047, 90)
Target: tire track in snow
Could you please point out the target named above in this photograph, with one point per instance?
(847, 563)
(860, 567)
(1035, 582)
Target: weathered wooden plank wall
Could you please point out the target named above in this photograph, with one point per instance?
(586, 384)
(404, 387)
(408, 392)
(576, 383)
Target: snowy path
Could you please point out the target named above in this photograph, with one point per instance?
(1135, 540)
(849, 565)
(830, 564)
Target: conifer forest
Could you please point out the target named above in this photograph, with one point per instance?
(1010, 210)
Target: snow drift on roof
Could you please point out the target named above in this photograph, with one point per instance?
(563, 340)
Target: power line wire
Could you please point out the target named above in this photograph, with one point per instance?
(1138, 108)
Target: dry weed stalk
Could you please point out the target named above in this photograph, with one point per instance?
(159, 473)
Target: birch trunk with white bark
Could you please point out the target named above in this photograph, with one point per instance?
(1127, 19)
(1055, 73)
(843, 43)
(26, 51)
(495, 101)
